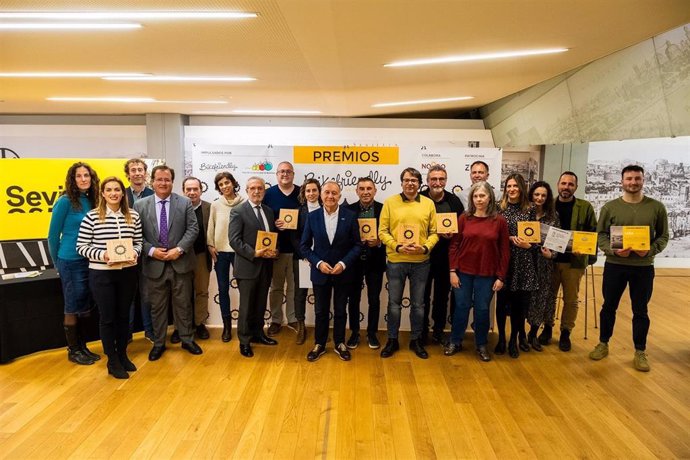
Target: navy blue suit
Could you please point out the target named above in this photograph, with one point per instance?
(346, 248)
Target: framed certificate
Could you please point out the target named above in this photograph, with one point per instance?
(408, 233)
(120, 250)
(636, 237)
(447, 222)
(585, 243)
(367, 228)
(266, 240)
(557, 239)
(289, 216)
(529, 231)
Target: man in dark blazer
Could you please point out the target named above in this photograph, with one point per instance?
(170, 228)
(370, 268)
(253, 268)
(330, 243)
(136, 174)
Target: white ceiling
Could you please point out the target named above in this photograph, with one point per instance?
(321, 55)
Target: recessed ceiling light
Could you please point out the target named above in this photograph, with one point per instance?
(275, 112)
(174, 78)
(67, 26)
(476, 57)
(100, 15)
(422, 101)
(128, 99)
(68, 74)
(102, 99)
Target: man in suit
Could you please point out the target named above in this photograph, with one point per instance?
(330, 243)
(370, 268)
(135, 171)
(253, 267)
(191, 187)
(170, 228)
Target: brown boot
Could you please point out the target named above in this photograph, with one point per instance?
(301, 333)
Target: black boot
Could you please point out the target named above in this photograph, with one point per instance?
(127, 364)
(227, 329)
(74, 351)
(533, 341)
(81, 336)
(546, 334)
(116, 369)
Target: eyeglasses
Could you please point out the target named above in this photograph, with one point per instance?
(438, 179)
(410, 181)
(285, 171)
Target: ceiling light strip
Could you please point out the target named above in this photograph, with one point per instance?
(68, 26)
(101, 15)
(476, 57)
(174, 78)
(423, 101)
(70, 75)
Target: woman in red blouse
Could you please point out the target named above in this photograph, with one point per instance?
(479, 255)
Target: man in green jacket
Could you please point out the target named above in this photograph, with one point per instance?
(628, 267)
(576, 215)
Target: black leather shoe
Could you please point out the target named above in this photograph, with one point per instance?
(500, 347)
(192, 347)
(452, 348)
(79, 357)
(246, 351)
(483, 354)
(175, 337)
(116, 370)
(564, 341)
(127, 364)
(316, 352)
(534, 343)
(156, 353)
(513, 349)
(353, 341)
(391, 347)
(418, 349)
(373, 341)
(524, 345)
(202, 332)
(342, 352)
(263, 339)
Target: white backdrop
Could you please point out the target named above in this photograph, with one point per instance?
(250, 151)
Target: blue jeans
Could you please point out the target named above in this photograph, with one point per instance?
(396, 274)
(223, 262)
(74, 276)
(474, 290)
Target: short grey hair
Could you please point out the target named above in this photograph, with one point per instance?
(260, 179)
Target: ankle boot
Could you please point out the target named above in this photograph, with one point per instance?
(125, 361)
(74, 351)
(116, 369)
(546, 334)
(81, 337)
(533, 341)
(301, 333)
(227, 329)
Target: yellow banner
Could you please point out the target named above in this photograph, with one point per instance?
(346, 155)
(30, 187)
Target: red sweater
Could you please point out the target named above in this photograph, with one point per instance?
(481, 247)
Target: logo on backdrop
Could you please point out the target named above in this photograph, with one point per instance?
(349, 179)
(262, 166)
(218, 166)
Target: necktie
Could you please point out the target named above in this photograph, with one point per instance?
(261, 220)
(163, 227)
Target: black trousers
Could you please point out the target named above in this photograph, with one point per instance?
(322, 308)
(253, 298)
(374, 281)
(113, 291)
(438, 283)
(515, 304)
(640, 281)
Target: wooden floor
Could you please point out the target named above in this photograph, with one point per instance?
(278, 405)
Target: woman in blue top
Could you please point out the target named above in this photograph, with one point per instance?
(79, 197)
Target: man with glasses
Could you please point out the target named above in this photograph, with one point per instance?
(408, 230)
(444, 202)
(283, 195)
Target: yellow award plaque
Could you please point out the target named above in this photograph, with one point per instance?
(585, 243)
(289, 216)
(408, 233)
(266, 240)
(529, 231)
(447, 222)
(367, 228)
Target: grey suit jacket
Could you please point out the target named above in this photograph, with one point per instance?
(182, 231)
(242, 231)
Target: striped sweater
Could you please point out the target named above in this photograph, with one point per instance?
(93, 235)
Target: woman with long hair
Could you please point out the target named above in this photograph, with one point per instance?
(543, 299)
(479, 255)
(515, 296)
(219, 245)
(78, 198)
(309, 200)
(113, 283)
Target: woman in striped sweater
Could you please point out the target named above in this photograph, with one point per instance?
(112, 284)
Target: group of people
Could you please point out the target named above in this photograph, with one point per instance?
(178, 239)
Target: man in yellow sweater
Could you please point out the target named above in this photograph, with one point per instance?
(407, 228)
